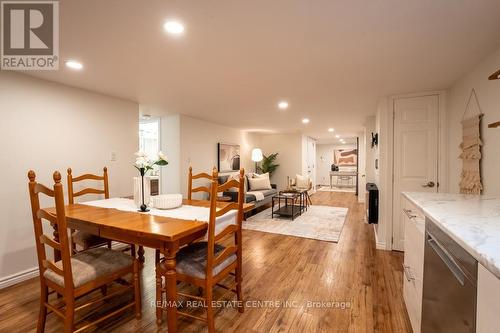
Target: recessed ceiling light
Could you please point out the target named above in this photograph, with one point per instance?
(283, 105)
(337, 136)
(305, 121)
(330, 130)
(73, 64)
(174, 27)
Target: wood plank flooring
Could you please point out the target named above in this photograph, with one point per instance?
(360, 287)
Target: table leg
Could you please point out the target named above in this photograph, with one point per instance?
(140, 254)
(167, 269)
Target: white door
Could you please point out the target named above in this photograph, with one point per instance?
(311, 161)
(416, 144)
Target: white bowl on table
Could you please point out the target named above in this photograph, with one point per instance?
(167, 201)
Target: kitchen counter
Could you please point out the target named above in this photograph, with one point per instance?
(473, 221)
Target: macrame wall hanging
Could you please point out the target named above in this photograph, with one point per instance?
(470, 182)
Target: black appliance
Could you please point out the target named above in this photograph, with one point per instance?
(371, 203)
(335, 167)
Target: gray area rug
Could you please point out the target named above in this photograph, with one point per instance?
(319, 222)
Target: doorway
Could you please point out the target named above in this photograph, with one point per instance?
(415, 152)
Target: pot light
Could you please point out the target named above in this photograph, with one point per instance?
(174, 27)
(283, 105)
(331, 130)
(337, 136)
(305, 121)
(73, 64)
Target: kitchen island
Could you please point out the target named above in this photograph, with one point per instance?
(473, 224)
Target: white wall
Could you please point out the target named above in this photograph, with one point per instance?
(171, 146)
(198, 146)
(370, 152)
(45, 127)
(383, 153)
(289, 147)
(324, 161)
(488, 93)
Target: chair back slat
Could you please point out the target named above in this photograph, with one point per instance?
(202, 175)
(228, 251)
(227, 208)
(39, 188)
(87, 176)
(235, 229)
(230, 229)
(201, 189)
(52, 243)
(228, 185)
(71, 180)
(59, 224)
(88, 191)
(46, 216)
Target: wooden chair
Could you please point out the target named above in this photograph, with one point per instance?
(191, 177)
(77, 275)
(206, 264)
(78, 237)
(201, 175)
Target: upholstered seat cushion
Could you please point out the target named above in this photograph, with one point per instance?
(86, 239)
(91, 264)
(192, 260)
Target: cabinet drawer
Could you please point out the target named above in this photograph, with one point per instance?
(413, 267)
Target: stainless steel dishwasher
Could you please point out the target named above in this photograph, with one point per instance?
(450, 283)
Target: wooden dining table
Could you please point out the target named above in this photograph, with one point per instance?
(146, 230)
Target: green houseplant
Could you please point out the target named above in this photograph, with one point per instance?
(268, 164)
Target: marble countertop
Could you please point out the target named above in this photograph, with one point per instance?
(473, 221)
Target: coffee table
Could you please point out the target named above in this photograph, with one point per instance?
(290, 208)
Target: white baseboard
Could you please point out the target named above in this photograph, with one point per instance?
(379, 245)
(18, 277)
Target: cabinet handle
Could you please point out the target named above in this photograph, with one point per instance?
(409, 214)
(409, 277)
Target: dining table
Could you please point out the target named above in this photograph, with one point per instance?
(166, 230)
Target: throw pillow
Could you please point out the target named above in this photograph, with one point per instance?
(264, 175)
(259, 183)
(236, 176)
(302, 182)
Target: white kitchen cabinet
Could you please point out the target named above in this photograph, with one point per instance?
(488, 294)
(413, 266)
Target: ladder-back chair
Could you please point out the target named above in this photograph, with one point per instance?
(77, 275)
(201, 175)
(206, 264)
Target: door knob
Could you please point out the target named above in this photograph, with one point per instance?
(429, 184)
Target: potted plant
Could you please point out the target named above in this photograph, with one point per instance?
(268, 164)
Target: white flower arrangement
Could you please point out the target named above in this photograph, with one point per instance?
(143, 163)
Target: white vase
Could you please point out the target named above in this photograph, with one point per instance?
(138, 191)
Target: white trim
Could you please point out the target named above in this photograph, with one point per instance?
(378, 244)
(18, 277)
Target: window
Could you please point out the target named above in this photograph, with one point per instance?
(149, 138)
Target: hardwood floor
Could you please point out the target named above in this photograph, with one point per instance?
(363, 286)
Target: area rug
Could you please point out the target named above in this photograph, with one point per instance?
(336, 189)
(318, 222)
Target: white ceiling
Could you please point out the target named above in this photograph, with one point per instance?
(330, 59)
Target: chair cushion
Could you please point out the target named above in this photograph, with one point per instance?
(91, 264)
(86, 239)
(192, 260)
